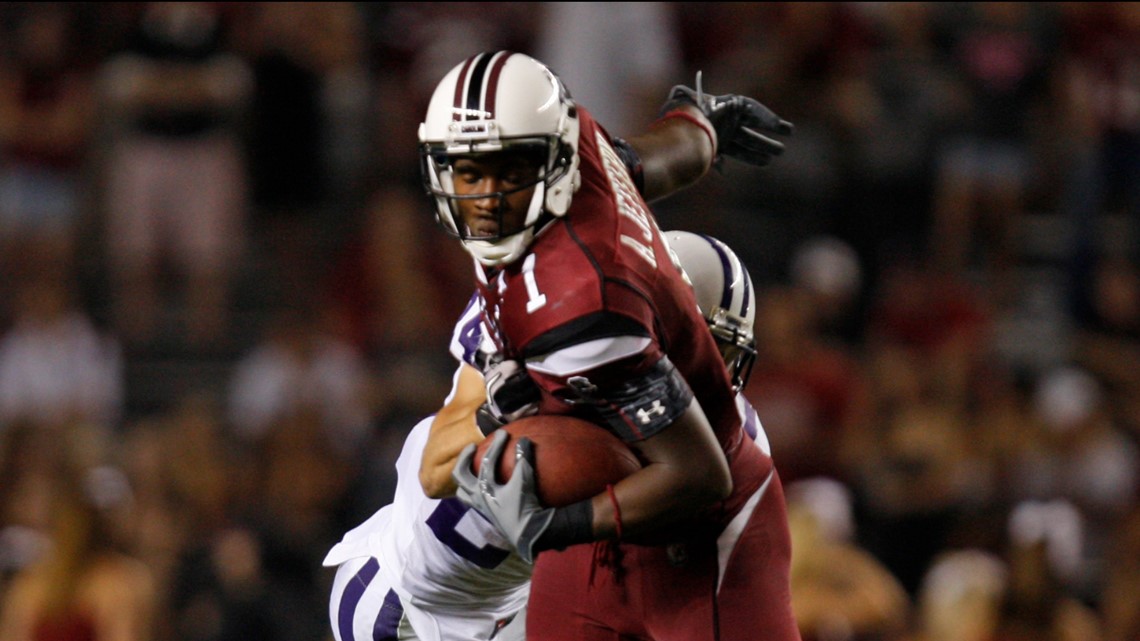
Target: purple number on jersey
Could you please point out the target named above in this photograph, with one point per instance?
(443, 523)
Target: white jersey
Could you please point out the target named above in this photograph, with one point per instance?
(436, 570)
(436, 563)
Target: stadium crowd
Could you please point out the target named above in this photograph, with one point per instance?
(224, 301)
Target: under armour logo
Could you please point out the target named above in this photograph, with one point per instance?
(645, 415)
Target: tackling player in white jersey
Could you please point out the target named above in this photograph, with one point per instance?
(435, 569)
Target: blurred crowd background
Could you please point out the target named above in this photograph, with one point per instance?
(224, 300)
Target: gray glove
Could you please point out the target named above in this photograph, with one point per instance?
(513, 506)
(741, 123)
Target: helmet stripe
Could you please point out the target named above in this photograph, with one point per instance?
(457, 103)
(493, 81)
(475, 87)
(726, 266)
(745, 298)
(730, 264)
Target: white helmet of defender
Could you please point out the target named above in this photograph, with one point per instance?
(725, 295)
(495, 102)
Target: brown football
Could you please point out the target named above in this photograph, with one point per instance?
(574, 459)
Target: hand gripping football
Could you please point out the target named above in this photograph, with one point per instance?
(574, 459)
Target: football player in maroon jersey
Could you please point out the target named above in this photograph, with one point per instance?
(581, 297)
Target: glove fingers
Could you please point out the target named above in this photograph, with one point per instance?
(772, 124)
(524, 466)
(755, 141)
(757, 115)
(491, 458)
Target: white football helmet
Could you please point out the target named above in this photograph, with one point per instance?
(724, 293)
(495, 102)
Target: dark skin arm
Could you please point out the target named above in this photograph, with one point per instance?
(675, 153)
(686, 471)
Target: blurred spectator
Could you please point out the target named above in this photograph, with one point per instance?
(55, 366)
(1120, 601)
(201, 463)
(890, 101)
(937, 317)
(829, 272)
(580, 41)
(299, 368)
(25, 451)
(308, 90)
(176, 188)
(1042, 555)
(1107, 341)
(288, 180)
(809, 393)
(264, 572)
(83, 586)
(1080, 456)
(398, 285)
(161, 529)
(973, 595)
(188, 485)
(839, 591)
(1100, 84)
(913, 480)
(222, 592)
(47, 103)
(960, 597)
(1002, 54)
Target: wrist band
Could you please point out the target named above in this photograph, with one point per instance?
(617, 509)
(569, 525)
(679, 113)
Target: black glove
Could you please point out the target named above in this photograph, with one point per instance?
(740, 123)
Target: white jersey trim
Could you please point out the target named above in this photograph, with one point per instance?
(589, 355)
(726, 542)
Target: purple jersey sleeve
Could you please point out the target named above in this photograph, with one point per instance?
(468, 333)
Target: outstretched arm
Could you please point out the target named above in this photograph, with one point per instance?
(482, 402)
(674, 153)
(453, 428)
(697, 131)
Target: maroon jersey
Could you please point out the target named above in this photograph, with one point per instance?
(602, 316)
